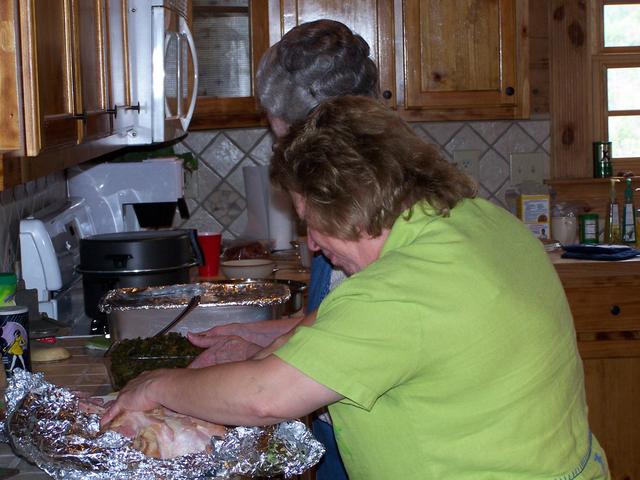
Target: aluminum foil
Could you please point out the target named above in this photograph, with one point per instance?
(252, 293)
(45, 425)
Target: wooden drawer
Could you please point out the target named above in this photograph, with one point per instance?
(605, 309)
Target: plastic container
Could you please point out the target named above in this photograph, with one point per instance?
(8, 284)
(14, 338)
(589, 228)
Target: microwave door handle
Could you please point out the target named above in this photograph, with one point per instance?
(194, 94)
(179, 62)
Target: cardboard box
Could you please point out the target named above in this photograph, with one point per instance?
(534, 211)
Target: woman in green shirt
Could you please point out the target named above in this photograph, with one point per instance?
(449, 352)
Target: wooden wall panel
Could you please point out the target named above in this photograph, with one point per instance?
(570, 89)
(539, 56)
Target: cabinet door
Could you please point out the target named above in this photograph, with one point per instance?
(91, 75)
(48, 73)
(230, 38)
(371, 19)
(613, 394)
(466, 55)
(9, 107)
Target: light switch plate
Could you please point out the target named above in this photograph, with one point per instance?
(528, 167)
(468, 161)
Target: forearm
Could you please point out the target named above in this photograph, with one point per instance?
(259, 392)
(307, 320)
(265, 332)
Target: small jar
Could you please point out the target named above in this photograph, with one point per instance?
(589, 228)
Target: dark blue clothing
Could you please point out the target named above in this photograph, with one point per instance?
(330, 467)
(320, 282)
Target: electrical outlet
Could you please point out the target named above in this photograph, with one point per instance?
(468, 161)
(531, 167)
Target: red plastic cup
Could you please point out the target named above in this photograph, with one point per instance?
(210, 245)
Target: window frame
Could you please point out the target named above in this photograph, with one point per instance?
(603, 59)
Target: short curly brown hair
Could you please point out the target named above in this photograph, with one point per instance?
(357, 165)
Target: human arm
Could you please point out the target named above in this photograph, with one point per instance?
(224, 344)
(253, 392)
(261, 333)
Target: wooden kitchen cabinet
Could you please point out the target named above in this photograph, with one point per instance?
(466, 59)
(229, 43)
(371, 19)
(93, 99)
(48, 78)
(65, 73)
(267, 22)
(605, 302)
(460, 60)
(57, 92)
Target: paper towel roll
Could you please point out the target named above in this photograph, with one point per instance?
(257, 204)
(281, 220)
(270, 214)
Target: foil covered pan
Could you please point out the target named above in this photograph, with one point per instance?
(45, 425)
(141, 312)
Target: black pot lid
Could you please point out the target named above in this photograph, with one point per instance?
(131, 252)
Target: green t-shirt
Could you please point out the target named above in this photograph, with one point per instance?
(455, 352)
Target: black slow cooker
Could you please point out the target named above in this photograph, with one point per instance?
(133, 259)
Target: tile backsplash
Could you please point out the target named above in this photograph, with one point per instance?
(218, 202)
(19, 202)
(217, 199)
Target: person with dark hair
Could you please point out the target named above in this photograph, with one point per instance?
(448, 353)
(311, 63)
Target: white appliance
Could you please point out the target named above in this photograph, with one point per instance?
(103, 198)
(116, 193)
(49, 253)
(163, 68)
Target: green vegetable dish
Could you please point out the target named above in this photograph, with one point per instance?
(131, 357)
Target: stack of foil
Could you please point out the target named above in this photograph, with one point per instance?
(45, 425)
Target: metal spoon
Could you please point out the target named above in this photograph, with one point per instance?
(193, 303)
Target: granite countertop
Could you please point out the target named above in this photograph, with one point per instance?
(82, 371)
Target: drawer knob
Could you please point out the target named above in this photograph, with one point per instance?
(615, 310)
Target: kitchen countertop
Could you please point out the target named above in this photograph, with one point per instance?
(287, 264)
(83, 372)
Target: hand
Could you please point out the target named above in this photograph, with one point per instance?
(261, 333)
(222, 350)
(135, 395)
(204, 339)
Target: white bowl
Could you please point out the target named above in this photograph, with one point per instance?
(247, 268)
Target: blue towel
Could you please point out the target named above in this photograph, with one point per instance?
(599, 252)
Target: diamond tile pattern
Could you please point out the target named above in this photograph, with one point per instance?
(221, 194)
(220, 203)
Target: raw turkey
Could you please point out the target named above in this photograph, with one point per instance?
(162, 433)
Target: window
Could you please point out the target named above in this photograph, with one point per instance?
(617, 82)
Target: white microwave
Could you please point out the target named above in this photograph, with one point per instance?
(163, 69)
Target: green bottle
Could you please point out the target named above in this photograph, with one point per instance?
(628, 215)
(612, 226)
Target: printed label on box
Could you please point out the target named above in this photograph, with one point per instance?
(540, 230)
(535, 211)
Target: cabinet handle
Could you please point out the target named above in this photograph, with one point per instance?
(80, 116)
(510, 91)
(135, 107)
(387, 94)
(615, 310)
(112, 111)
